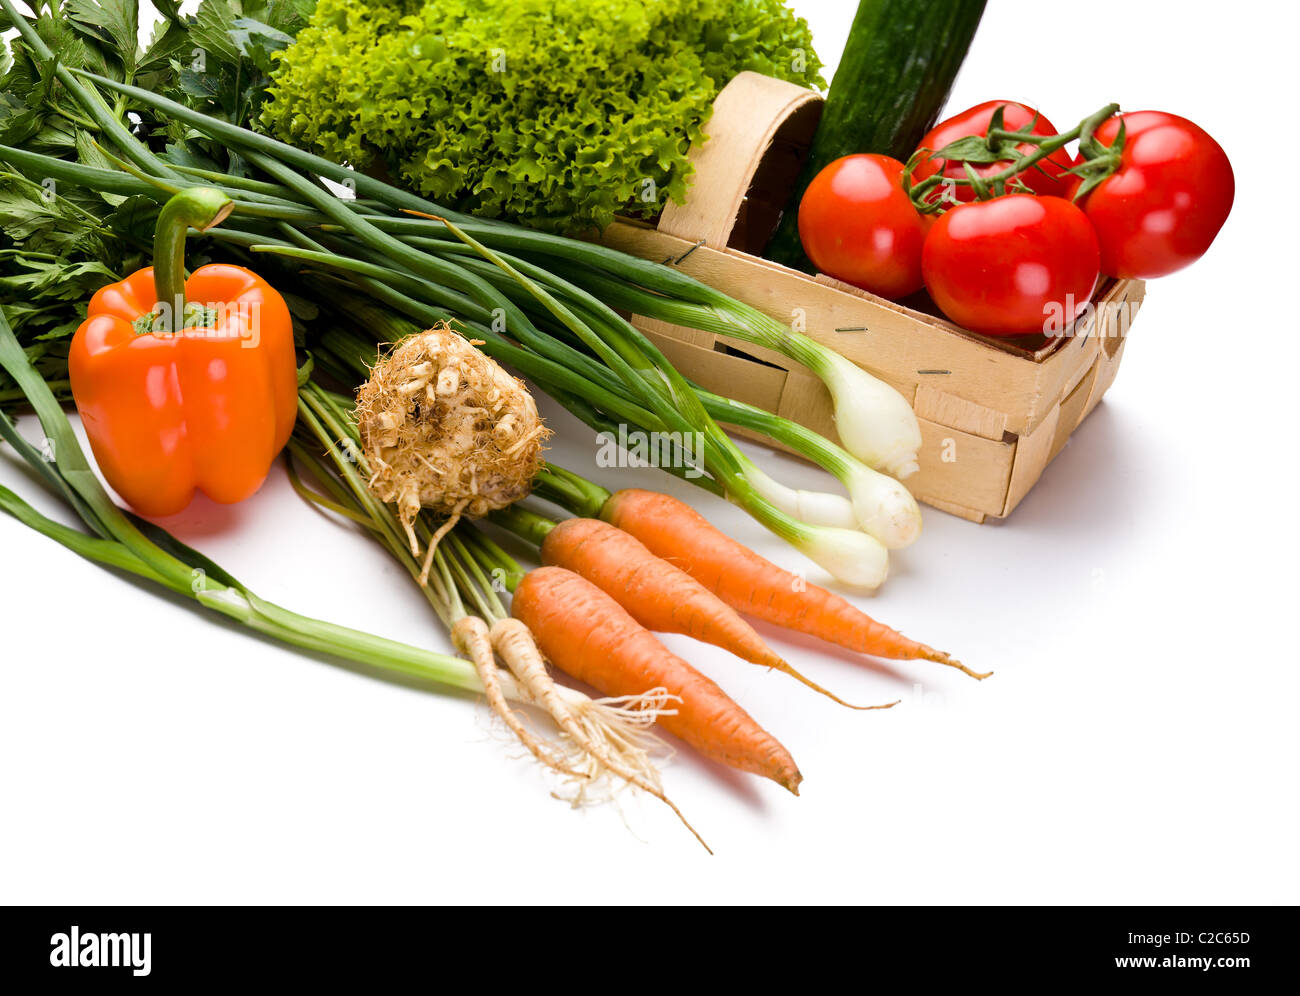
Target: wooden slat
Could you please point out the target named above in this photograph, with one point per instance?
(961, 511)
(1113, 340)
(946, 409)
(1032, 455)
(746, 117)
(1073, 410)
(976, 476)
(663, 331)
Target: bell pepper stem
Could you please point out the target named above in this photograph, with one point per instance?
(193, 207)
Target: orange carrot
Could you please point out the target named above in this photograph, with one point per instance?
(588, 635)
(658, 595)
(755, 586)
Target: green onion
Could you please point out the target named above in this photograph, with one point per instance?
(119, 540)
(558, 328)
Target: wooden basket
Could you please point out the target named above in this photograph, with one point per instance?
(993, 412)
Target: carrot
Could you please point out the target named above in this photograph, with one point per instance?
(658, 595)
(588, 635)
(755, 586)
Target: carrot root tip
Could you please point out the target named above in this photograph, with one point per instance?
(799, 677)
(939, 657)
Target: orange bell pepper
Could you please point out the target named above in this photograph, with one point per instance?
(205, 404)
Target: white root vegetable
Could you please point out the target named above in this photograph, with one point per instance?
(850, 556)
(875, 423)
(598, 737)
(878, 505)
(470, 636)
(817, 508)
(883, 507)
(444, 427)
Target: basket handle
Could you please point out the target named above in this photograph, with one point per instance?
(749, 115)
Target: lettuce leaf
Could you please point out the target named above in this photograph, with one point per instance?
(558, 115)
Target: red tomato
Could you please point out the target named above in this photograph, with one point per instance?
(975, 121)
(1167, 201)
(857, 225)
(1012, 265)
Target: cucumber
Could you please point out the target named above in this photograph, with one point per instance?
(898, 67)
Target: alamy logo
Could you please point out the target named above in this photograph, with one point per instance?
(77, 950)
(683, 450)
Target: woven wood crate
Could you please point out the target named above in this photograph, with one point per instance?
(993, 412)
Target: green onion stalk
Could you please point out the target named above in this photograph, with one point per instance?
(835, 542)
(117, 539)
(666, 403)
(873, 420)
(623, 376)
(851, 556)
(878, 504)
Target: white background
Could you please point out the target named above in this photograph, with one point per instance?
(1137, 744)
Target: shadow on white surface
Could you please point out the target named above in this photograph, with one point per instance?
(1087, 482)
(204, 517)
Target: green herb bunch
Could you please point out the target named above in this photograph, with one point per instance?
(59, 243)
(555, 113)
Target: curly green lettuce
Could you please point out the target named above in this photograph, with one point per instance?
(556, 114)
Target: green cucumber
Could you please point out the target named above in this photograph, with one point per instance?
(897, 69)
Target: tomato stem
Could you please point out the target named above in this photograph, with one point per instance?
(1096, 158)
